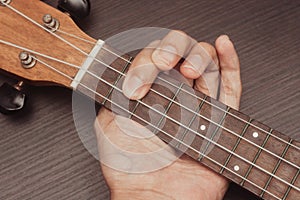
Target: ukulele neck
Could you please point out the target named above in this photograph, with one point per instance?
(245, 151)
(227, 141)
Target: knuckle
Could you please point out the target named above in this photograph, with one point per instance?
(231, 88)
(228, 90)
(209, 48)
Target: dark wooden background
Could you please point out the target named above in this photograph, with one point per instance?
(41, 155)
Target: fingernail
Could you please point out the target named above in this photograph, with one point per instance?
(166, 54)
(191, 70)
(195, 64)
(131, 87)
(224, 39)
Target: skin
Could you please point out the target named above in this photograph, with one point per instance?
(184, 178)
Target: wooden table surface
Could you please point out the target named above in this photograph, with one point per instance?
(41, 154)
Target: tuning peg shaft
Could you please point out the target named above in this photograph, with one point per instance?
(78, 9)
(11, 98)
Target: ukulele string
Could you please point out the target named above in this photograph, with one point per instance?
(75, 36)
(58, 37)
(162, 95)
(197, 114)
(200, 153)
(39, 54)
(204, 100)
(186, 145)
(199, 98)
(159, 129)
(188, 92)
(205, 138)
(128, 61)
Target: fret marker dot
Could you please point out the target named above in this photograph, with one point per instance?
(236, 168)
(255, 134)
(202, 127)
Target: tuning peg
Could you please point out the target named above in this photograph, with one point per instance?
(76, 8)
(11, 98)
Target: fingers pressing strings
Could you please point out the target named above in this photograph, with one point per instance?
(158, 56)
(203, 64)
(164, 55)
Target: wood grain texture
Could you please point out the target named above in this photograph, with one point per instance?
(17, 30)
(41, 154)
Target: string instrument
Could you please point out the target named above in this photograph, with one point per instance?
(247, 152)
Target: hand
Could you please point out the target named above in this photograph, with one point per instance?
(184, 178)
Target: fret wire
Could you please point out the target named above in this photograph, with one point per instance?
(134, 109)
(215, 132)
(80, 50)
(191, 122)
(275, 168)
(73, 45)
(235, 146)
(116, 81)
(293, 182)
(169, 106)
(95, 92)
(256, 156)
(77, 48)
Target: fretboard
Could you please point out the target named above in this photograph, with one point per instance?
(244, 150)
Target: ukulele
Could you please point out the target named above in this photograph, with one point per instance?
(247, 152)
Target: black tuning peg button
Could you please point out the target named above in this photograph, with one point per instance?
(11, 98)
(76, 8)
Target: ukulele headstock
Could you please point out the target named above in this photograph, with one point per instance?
(35, 37)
